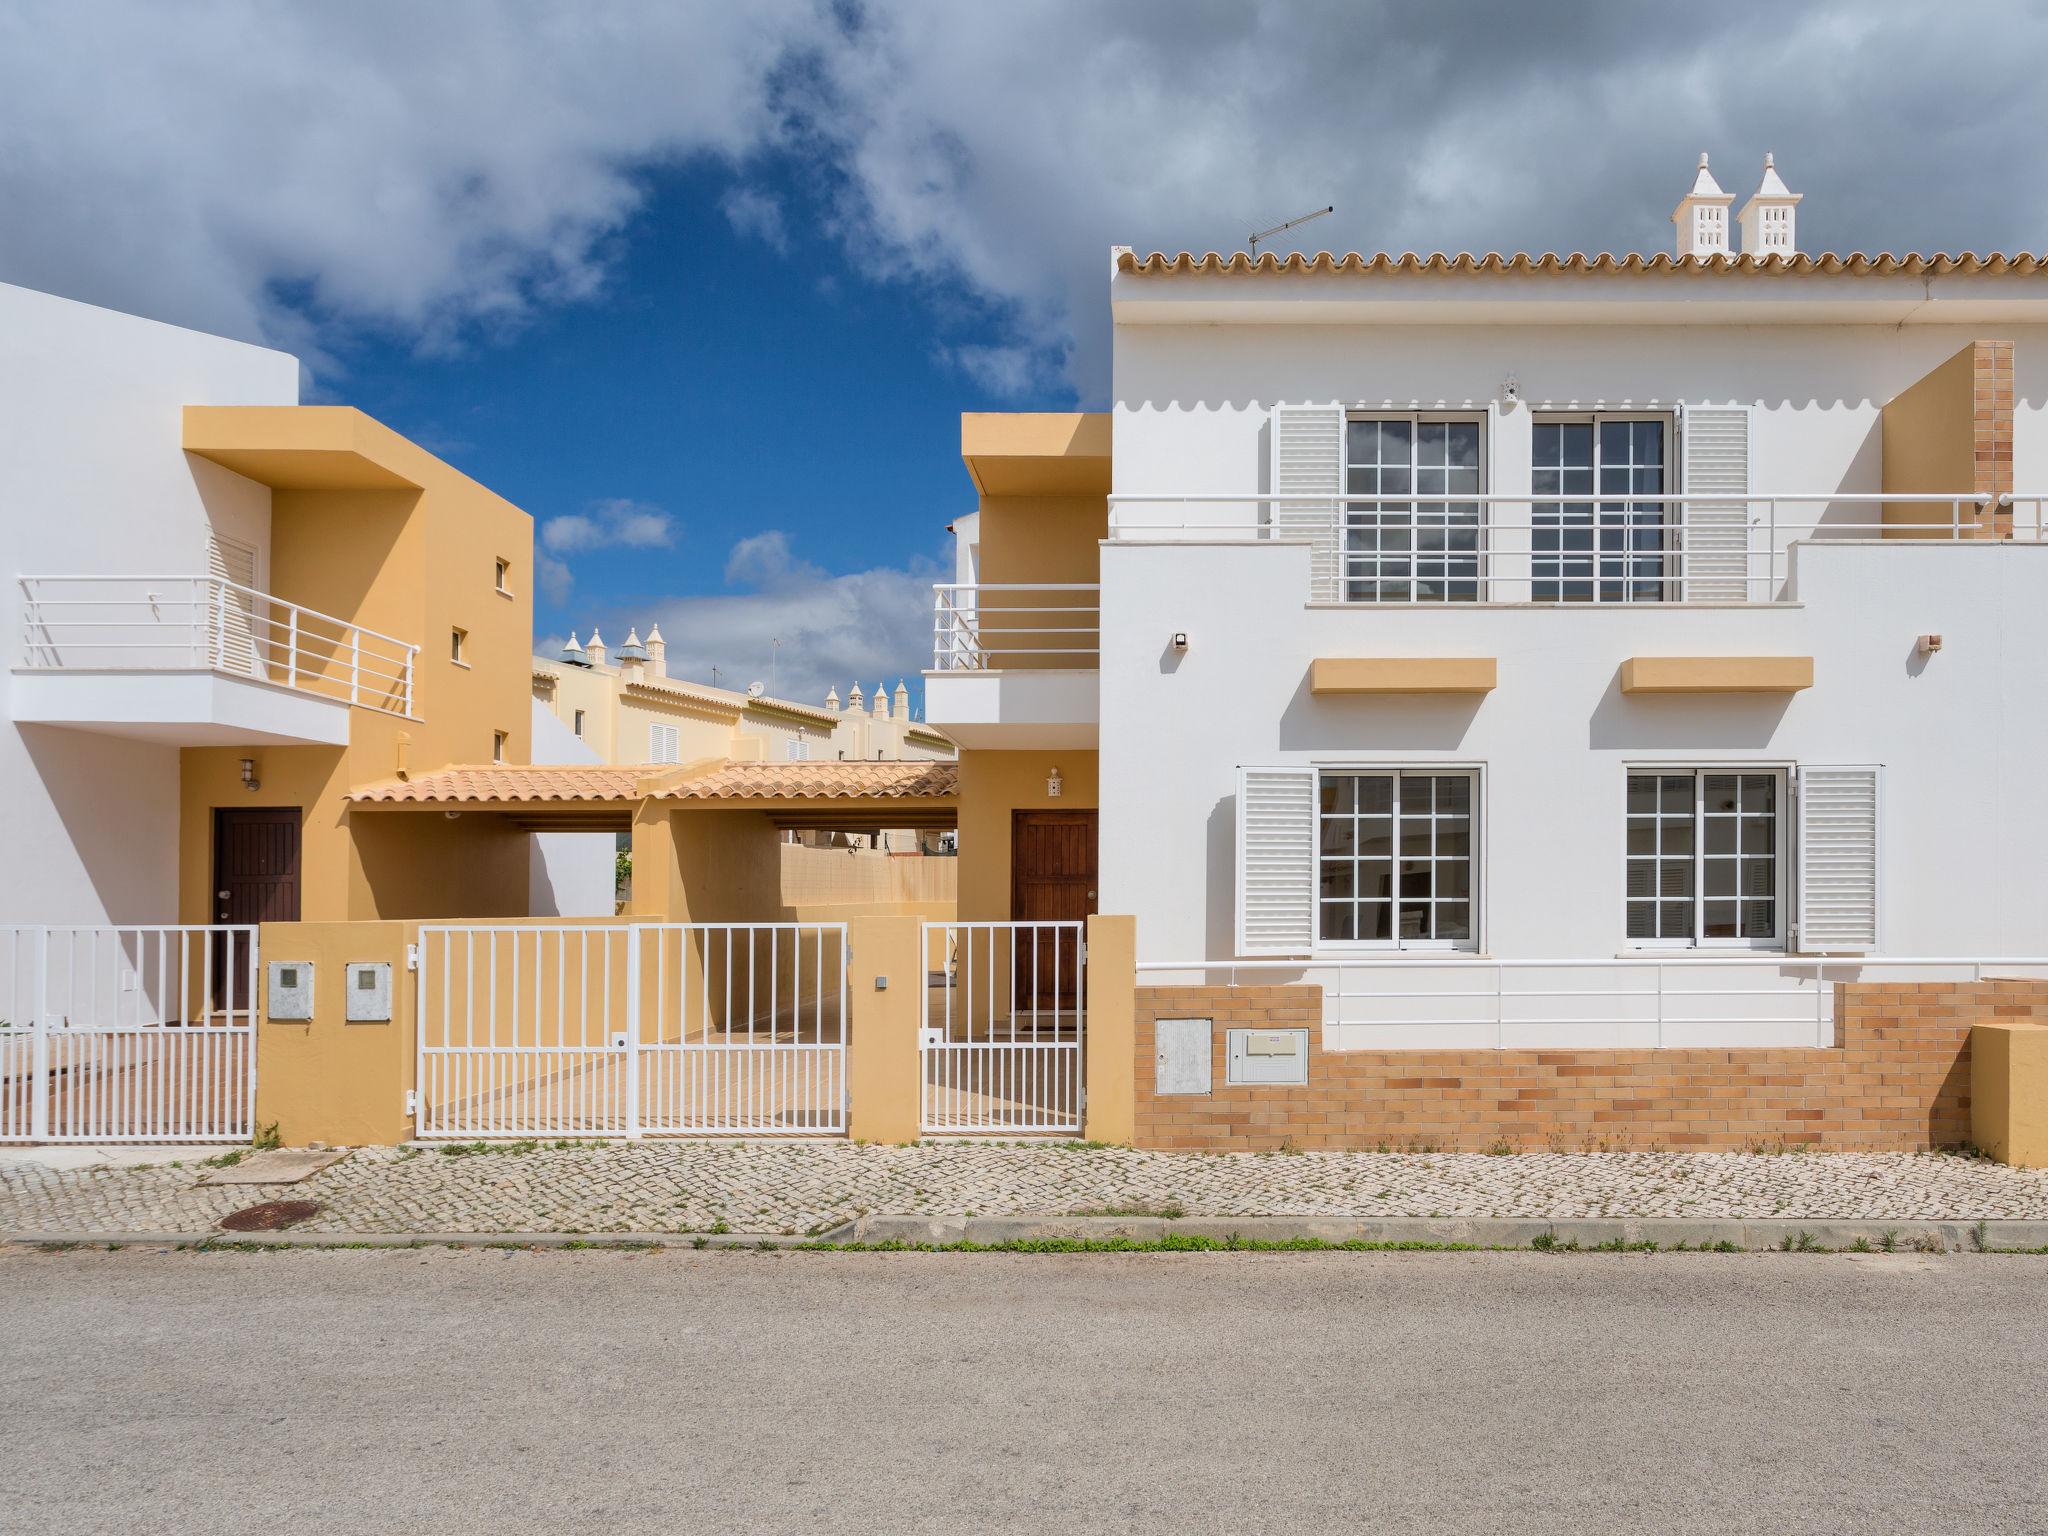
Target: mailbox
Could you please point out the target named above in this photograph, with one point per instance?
(369, 992)
(290, 996)
(1182, 1064)
(1270, 1056)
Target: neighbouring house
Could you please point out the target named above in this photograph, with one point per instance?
(226, 611)
(1555, 652)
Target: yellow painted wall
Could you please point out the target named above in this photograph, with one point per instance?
(374, 530)
(329, 1080)
(1054, 539)
(882, 1063)
(992, 785)
(1112, 1020)
(2009, 1092)
(1929, 444)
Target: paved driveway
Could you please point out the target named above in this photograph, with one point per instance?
(567, 1392)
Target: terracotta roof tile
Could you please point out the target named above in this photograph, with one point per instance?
(508, 784)
(1550, 263)
(818, 781)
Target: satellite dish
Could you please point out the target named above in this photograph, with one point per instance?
(756, 689)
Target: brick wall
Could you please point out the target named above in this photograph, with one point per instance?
(1991, 422)
(1897, 1079)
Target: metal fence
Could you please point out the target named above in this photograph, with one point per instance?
(631, 1029)
(1697, 1000)
(127, 1034)
(1002, 1049)
(181, 623)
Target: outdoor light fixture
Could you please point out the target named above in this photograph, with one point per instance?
(1180, 640)
(1927, 645)
(1053, 784)
(249, 780)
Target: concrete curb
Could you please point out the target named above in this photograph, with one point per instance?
(1748, 1234)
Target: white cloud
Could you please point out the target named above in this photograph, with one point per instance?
(435, 171)
(614, 523)
(835, 629)
(758, 214)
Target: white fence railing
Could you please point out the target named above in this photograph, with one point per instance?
(1003, 1044)
(127, 1034)
(1015, 624)
(203, 623)
(632, 1029)
(1689, 1001)
(1585, 547)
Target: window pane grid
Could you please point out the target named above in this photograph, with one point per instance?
(1702, 857)
(1395, 858)
(1397, 550)
(1611, 550)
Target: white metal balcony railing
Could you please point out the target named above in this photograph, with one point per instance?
(1686, 1000)
(203, 623)
(1518, 547)
(984, 626)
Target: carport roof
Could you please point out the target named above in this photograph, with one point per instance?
(786, 784)
(817, 781)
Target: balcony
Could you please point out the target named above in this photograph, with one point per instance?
(198, 661)
(1016, 664)
(1566, 550)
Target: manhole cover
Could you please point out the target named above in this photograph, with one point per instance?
(270, 1216)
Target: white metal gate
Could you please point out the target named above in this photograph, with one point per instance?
(140, 1034)
(608, 1029)
(1003, 1047)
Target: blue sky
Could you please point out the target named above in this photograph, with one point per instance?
(705, 286)
(724, 383)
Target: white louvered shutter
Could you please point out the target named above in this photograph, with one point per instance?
(1308, 480)
(664, 743)
(1838, 860)
(1276, 860)
(1716, 540)
(234, 630)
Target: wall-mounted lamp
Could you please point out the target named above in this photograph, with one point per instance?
(1510, 391)
(249, 780)
(1927, 645)
(453, 815)
(1054, 784)
(1180, 640)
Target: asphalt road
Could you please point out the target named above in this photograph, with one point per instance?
(683, 1392)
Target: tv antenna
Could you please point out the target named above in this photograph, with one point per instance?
(1281, 229)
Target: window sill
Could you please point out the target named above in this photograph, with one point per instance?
(462, 664)
(502, 592)
(1733, 952)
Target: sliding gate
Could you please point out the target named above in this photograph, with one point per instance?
(1002, 1045)
(137, 1034)
(608, 1029)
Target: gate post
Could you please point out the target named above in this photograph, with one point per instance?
(39, 1044)
(885, 980)
(1111, 978)
(633, 1031)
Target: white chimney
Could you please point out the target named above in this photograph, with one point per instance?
(596, 649)
(1702, 216)
(881, 706)
(832, 698)
(1767, 218)
(657, 652)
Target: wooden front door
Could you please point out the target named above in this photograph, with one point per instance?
(255, 880)
(1052, 880)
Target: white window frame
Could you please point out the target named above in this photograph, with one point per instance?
(1475, 896)
(1785, 888)
(577, 723)
(1672, 548)
(1416, 419)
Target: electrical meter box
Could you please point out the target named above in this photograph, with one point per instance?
(290, 996)
(1271, 1056)
(1182, 1048)
(369, 992)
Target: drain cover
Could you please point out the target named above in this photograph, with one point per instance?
(270, 1216)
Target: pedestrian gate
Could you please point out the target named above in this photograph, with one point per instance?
(127, 1033)
(1002, 1048)
(608, 1029)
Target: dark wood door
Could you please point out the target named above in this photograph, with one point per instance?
(1052, 880)
(255, 880)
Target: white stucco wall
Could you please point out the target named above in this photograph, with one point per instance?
(1193, 403)
(94, 480)
(1962, 735)
(569, 874)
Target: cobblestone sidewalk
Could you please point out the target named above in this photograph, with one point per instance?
(808, 1187)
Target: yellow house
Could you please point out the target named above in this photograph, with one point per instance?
(421, 579)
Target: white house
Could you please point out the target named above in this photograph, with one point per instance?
(1555, 608)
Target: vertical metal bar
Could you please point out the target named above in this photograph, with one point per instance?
(355, 673)
(633, 1031)
(39, 1047)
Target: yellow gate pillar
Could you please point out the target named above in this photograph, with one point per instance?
(886, 997)
(1111, 1105)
